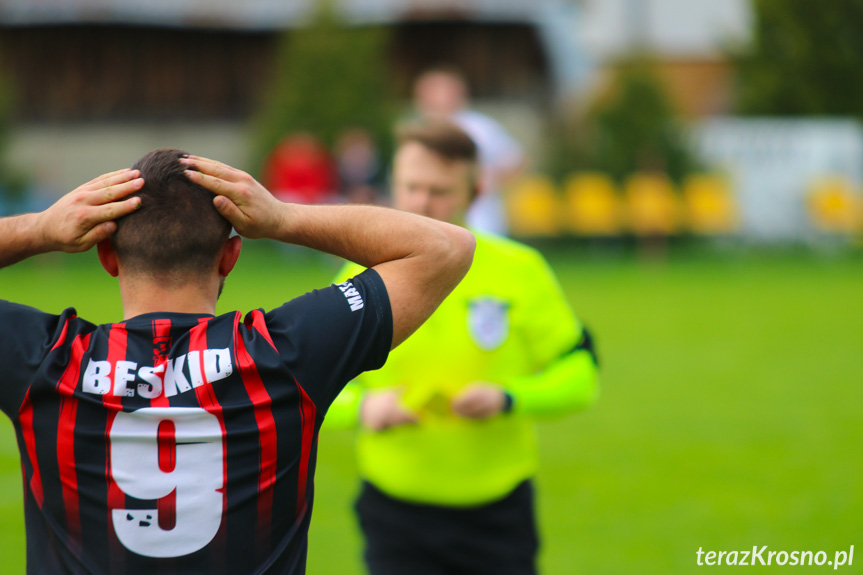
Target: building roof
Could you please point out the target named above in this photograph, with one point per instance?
(555, 20)
(578, 35)
(259, 14)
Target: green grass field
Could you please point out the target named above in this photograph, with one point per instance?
(730, 414)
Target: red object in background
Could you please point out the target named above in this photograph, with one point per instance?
(301, 170)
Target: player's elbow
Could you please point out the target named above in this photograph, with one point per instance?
(463, 246)
(451, 255)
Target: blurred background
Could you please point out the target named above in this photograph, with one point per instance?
(639, 117)
(693, 170)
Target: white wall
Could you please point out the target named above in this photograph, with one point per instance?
(772, 164)
(678, 28)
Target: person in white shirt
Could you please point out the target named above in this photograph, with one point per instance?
(442, 93)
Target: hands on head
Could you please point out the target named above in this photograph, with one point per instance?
(85, 216)
(420, 260)
(250, 207)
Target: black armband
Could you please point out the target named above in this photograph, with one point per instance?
(508, 402)
(586, 344)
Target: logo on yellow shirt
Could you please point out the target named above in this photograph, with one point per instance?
(488, 322)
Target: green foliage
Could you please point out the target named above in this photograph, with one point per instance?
(14, 182)
(635, 129)
(6, 99)
(327, 77)
(805, 59)
(6, 102)
(10, 184)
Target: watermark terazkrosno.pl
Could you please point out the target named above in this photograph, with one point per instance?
(764, 556)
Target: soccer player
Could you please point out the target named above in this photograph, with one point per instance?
(446, 446)
(176, 441)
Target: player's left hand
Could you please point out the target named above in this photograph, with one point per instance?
(85, 216)
(479, 400)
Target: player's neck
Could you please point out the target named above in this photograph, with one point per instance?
(142, 296)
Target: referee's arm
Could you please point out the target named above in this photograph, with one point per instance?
(568, 378)
(419, 259)
(568, 384)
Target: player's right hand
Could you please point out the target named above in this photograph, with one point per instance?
(382, 410)
(85, 216)
(250, 207)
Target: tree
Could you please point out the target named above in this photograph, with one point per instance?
(13, 183)
(635, 128)
(805, 59)
(327, 77)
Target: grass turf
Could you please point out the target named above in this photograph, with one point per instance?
(729, 416)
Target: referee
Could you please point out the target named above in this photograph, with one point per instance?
(447, 447)
(177, 441)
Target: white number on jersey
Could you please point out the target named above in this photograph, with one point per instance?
(196, 477)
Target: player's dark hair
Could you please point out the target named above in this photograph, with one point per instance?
(444, 139)
(177, 233)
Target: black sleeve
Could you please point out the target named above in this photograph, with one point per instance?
(26, 337)
(327, 337)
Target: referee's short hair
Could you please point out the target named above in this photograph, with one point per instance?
(445, 139)
(177, 233)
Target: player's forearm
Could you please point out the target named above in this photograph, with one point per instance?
(20, 238)
(569, 384)
(370, 235)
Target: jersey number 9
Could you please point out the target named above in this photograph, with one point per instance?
(195, 478)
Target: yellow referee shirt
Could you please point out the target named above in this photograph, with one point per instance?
(507, 323)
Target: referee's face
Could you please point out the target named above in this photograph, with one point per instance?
(428, 184)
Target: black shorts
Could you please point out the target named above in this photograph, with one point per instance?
(410, 539)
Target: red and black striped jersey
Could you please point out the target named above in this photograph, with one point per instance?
(180, 443)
